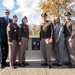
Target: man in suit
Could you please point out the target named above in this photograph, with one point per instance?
(59, 41)
(4, 44)
(69, 31)
(0, 54)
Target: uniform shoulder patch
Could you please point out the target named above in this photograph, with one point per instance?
(49, 23)
(72, 22)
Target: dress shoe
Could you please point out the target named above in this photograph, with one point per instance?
(25, 63)
(15, 63)
(7, 64)
(3, 66)
(67, 63)
(4, 63)
(44, 64)
(55, 64)
(71, 66)
(22, 65)
(49, 66)
(12, 67)
(60, 64)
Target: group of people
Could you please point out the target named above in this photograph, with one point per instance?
(56, 36)
(53, 36)
(14, 39)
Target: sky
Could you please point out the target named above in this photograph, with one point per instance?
(22, 8)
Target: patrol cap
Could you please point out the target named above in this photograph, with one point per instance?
(44, 15)
(14, 16)
(24, 17)
(67, 13)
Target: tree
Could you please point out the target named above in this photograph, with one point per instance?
(57, 7)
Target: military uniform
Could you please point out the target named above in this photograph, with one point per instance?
(46, 32)
(12, 32)
(69, 31)
(23, 37)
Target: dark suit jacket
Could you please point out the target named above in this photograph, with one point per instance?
(3, 25)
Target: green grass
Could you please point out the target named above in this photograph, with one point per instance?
(34, 36)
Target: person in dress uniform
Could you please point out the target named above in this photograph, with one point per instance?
(46, 36)
(23, 38)
(12, 32)
(69, 31)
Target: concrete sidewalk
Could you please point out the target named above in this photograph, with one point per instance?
(35, 69)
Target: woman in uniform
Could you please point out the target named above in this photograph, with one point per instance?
(12, 31)
(23, 38)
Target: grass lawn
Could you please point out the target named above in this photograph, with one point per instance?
(34, 36)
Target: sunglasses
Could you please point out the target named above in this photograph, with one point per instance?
(6, 12)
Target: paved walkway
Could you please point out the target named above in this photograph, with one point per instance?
(35, 69)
